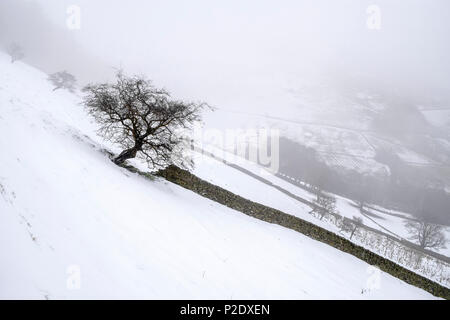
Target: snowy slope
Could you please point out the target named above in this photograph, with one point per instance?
(73, 225)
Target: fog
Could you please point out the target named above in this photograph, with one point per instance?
(247, 55)
(213, 50)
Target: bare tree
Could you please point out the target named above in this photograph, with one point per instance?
(142, 119)
(15, 51)
(324, 204)
(426, 234)
(62, 79)
(346, 224)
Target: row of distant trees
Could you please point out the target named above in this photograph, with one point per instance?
(15, 51)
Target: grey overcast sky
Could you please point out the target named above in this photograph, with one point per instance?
(215, 49)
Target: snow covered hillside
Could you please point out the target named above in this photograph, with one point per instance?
(74, 225)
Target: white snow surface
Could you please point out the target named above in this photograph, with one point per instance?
(73, 225)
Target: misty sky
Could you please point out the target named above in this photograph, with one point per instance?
(213, 50)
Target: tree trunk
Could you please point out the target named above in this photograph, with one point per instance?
(353, 232)
(126, 154)
(422, 244)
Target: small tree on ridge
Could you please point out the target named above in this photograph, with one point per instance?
(426, 234)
